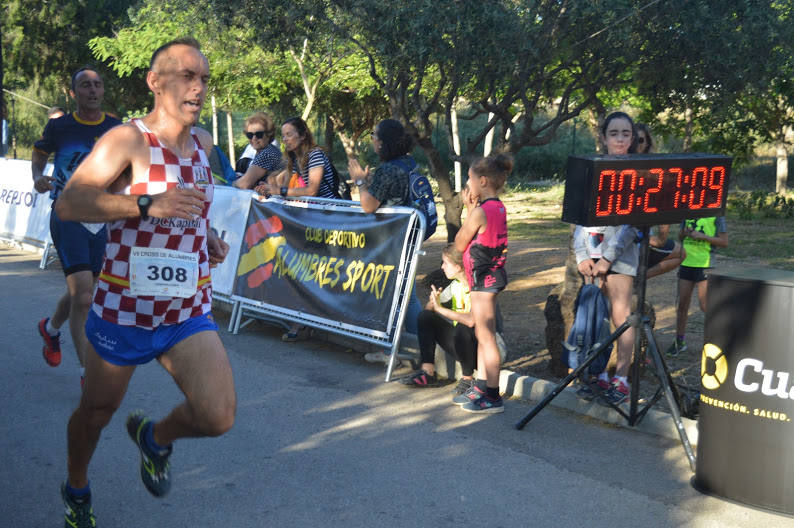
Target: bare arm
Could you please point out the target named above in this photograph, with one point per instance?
(369, 203)
(475, 221)
(87, 196)
(721, 240)
(217, 249)
(251, 176)
(315, 178)
(38, 162)
(660, 239)
(357, 173)
(466, 318)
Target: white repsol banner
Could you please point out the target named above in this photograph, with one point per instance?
(24, 213)
(25, 216)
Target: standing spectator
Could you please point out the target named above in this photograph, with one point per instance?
(644, 139)
(80, 246)
(483, 240)
(268, 162)
(611, 254)
(699, 237)
(388, 186)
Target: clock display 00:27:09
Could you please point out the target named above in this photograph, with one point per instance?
(656, 190)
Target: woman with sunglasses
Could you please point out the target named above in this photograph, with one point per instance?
(268, 161)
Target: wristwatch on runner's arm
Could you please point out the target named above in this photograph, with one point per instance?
(144, 202)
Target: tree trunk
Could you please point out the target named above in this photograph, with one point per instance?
(215, 125)
(456, 146)
(328, 139)
(3, 112)
(781, 181)
(559, 311)
(348, 142)
(230, 134)
(488, 143)
(453, 207)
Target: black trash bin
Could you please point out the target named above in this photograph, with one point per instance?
(745, 446)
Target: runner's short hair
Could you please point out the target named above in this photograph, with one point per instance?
(185, 41)
(81, 70)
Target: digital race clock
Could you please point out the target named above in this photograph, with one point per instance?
(645, 189)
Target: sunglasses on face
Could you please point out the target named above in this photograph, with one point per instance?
(640, 140)
(259, 134)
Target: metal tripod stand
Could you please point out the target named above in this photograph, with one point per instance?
(642, 326)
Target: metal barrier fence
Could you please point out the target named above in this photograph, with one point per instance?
(245, 308)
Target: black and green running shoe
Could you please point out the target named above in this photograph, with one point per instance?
(79, 513)
(155, 468)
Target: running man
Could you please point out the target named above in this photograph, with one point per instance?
(80, 247)
(151, 181)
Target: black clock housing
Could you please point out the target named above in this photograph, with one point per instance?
(645, 189)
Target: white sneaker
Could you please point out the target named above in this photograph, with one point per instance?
(379, 357)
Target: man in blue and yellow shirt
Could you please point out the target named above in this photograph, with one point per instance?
(80, 246)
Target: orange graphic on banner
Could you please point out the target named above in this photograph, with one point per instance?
(261, 229)
(263, 239)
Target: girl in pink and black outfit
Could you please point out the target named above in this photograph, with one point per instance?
(483, 241)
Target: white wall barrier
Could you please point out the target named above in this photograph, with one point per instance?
(24, 213)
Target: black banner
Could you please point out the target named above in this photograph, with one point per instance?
(332, 263)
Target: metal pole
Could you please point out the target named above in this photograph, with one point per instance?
(573, 138)
(14, 127)
(639, 357)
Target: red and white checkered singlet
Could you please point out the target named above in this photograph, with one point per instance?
(113, 300)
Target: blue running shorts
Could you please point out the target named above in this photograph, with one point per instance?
(78, 248)
(130, 345)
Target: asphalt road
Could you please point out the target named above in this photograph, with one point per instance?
(321, 440)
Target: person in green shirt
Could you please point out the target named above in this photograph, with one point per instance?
(699, 238)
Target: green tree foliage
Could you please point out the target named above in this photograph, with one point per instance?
(722, 78)
(43, 43)
(505, 57)
(244, 74)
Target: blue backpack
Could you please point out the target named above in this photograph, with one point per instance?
(590, 327)
(421, 194)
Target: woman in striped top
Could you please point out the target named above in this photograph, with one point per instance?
(305, 159)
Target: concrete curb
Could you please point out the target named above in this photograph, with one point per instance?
(532, 390)
(529, 389)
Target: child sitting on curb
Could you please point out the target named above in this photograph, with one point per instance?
(447, 321)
